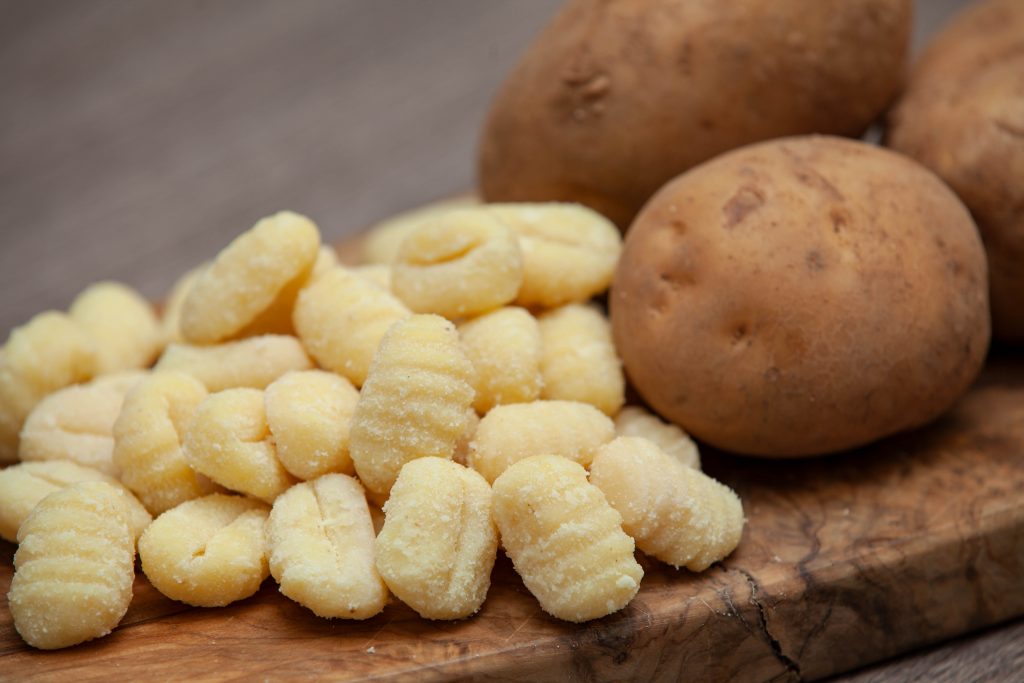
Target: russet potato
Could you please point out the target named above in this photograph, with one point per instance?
(801, 296)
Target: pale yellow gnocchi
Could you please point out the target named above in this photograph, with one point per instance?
(636, 421)
(254, 362)
(148, 436)
(464, 263)
(250, 287)
(674, 512)
(579, 361)
(22, 486)
(439, 541)
(569, 251)
(341, 319)
(564, 539)
(123, 325)
(511, 433)
(74, 568)
(207, 552)
(229, 441)
(382, 242)
(376, 273)
(48, 353)
(505, 349)
(309, 414)
(414, 403)
(170, 321)
(77, 423)
(320, 539)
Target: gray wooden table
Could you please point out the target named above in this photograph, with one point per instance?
(137, 137)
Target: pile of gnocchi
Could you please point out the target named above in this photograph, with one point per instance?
(355, 432)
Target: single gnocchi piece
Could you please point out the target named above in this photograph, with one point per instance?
(414, 403)
(320, 538)
(22, 486)
(505, 349)
(383, 240)
(74, 567)
(635, 421)
(579, 361)
(439, 541)
(341, 319)
(565, 540)
(254, 362)
(49, 352)
(170, 321)
(207, 552)
(569, 251)
(675, 513)
(514, 432)
(258, 274)
(229, 441)
(123, 324)
(77, 423)
(465, 263)
(309, 414)
(148, 436)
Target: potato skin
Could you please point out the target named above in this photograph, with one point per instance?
(802, 296)
(962, 116)
(616, 98)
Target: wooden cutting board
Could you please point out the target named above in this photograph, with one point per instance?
(845, 560)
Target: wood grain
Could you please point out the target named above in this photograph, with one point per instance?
(138, 136)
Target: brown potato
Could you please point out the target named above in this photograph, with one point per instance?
(802, 296)
(615, 99)
(963, 117)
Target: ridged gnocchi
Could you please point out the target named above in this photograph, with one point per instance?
(254, 362)
(320, 538)
(676, 513)
(511, 433)
(207, 552)
(382, 242)
(579, 361)
(122, 323)
(505, 349)
(74, 567)
(23, 485)
(564, 539)
(229, 441)
(341, 319)
(148, 436)
(439, 541)
(635, 421)
(309, 414)
(414, 403)
(464, 263)
(253, 282)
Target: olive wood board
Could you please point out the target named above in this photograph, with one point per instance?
(845, 560)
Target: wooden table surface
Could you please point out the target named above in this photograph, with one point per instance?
(137, 137)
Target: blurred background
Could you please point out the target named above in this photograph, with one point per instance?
(138, 137)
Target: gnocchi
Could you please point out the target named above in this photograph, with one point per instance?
(465, 263)
(148, 437)
(74, 567)
(320, 538)
(258, 274)
(229, 441)
(511, 433)
(414, 403)
(170, 321)
(341, 319)
(564, 539)
(504, 347)
(635, 421)
(254, 362)
(309, 414)
(381, 244)
(123, 325)
(207, 552)
(674, 512)
(579, 362)
(439, 541)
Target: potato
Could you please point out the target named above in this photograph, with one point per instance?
(615, 99)
(802, 296)
(962, 116)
